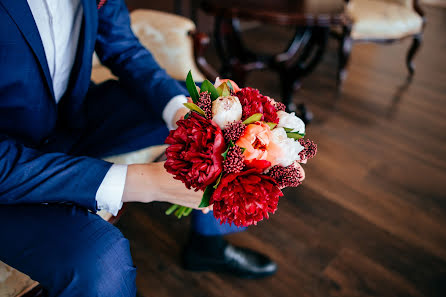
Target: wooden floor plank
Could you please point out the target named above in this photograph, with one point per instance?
(356, 275)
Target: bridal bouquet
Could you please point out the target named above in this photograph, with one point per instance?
(240, 148)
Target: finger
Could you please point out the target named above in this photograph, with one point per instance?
(207, 209)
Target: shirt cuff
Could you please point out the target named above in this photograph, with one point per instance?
(171, 109)
(109, 194)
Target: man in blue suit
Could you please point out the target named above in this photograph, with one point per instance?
(54, 124)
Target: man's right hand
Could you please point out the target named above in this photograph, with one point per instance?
(151, 182)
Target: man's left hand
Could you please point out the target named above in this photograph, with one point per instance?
(179, 115)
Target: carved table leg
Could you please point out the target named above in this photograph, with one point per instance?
(230, 48)
(220, 30)
(417, 39)
(300, 65)
(287, 88)
(303, 54)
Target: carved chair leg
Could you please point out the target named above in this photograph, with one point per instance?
(287, 88)
(417, 39)
(345, 49)
(201, 42)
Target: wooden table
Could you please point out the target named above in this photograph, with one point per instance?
(311, 19)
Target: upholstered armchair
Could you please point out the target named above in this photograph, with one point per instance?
(177, 47)
(380, 21)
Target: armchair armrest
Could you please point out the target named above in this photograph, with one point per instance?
(201, 43)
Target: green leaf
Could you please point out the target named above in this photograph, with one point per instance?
(243, 149)
(194, 107)
(223, 90)
(206, 196)
(252, 119)
(291, 129)
(207, 86)
(218, 181)
(230, 86)
(171, 209)
(271, 125)
(191, 87)
(224, 155)
(294, 135)
(187, 115)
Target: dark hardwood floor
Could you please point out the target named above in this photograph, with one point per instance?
(370, 220)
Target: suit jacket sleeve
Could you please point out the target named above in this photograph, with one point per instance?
(30, 176)
(119, 49)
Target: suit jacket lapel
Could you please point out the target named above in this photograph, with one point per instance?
(72, 103)
(23, 18)
(82, 66)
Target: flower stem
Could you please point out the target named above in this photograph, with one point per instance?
(171, 209)
(187, 212)
(180, 211)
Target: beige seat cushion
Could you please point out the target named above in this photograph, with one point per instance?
(14, 283)
(379, 19)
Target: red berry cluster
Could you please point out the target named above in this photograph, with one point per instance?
(310, 149)
(286, 176)
(233, 131)
(234, 160)
(205, 103)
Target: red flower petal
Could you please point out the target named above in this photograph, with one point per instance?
(245, 198)
(194, 154)
(258, 164)
(254, 102)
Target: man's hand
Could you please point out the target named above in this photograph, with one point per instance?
(179, 115)
(151, 182)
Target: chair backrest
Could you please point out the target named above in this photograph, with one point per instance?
(14, 283)
(167, 37)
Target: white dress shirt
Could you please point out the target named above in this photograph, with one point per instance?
(59, 23)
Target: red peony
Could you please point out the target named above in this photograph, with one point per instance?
(194, 155)
(245, 198)
(254, 102)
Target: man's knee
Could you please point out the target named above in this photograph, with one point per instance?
(102, 267)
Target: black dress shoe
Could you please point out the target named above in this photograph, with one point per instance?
(237, 261)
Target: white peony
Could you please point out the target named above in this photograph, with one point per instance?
(290, 148)
(226, 110)
(290, 120)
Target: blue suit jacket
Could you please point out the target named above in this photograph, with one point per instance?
(29, 114)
